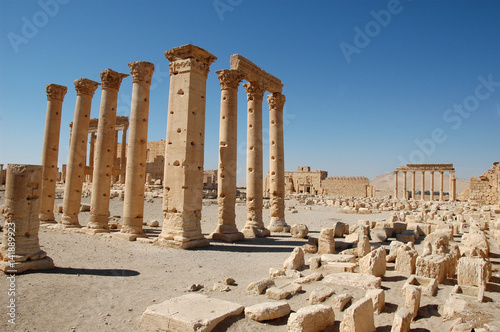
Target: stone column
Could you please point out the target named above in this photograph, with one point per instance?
(432, 185)
(55, 97)
(1, 174)
(104, 152)
(441, 186)
(413, 185)
(123, 163)
(115, 158)
(276, 102)
(133, 205)
(452, 195)
(254, 226)
(75, 169)
(405, 191)
(92, 155)
(228, 149)
(22, 206)
(422, 195)
(184, 148)
(396, 184)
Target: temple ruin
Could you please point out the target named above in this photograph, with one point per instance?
(484, 189)
(430, 169)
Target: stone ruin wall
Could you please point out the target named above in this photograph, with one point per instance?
(485, 189)
(347, 186)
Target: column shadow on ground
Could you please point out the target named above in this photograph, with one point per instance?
(93, 272)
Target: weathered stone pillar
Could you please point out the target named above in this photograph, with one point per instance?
(276, 103)
(20, 248)
(413, 185)
(133, 205)
(405, 191)
(441, 186)
(422, 195)
(115, 158)
(396, 184)
(184, 151)
(452, 187)
(75, 170)
(55, 97)
(104, 152)
(92, 154)
(254, 226)
(432, 185)
(228, 149)
(123, 162)
(1, 174)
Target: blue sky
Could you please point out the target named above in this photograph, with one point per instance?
(370, 85)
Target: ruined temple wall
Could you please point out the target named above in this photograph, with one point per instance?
(347, 187)
(486, 188)
(155, 160)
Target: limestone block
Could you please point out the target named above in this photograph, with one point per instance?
(310, 248)
(312, 318)
(338, 267)
(475, 240)
(84, 207)
(427, 285)
(359, 317)
(292, 288)
(379, 235)
(432, 266)
(406, 259)
(191, 312)
(407, 236)
(402, 321)
(454, 307)
(340, 301)
(295, 261)
(267, 311)
(299, 231)
(373, 263)
(326, 242)
(276, 293)
(399, 227)
(412, 300)
(259, 287)
(473, 271)
(320, 294)
(393, 249)
(314, 262)
(358, 280)
(276, 273)
(432, 237)
(331, 258)
(352, 238)
(363, 246)
(378, 299)
(310, 278)
(340, 228)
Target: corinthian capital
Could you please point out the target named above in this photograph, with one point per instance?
(141, 71)
(276, 101)
(255, 90)
(111, 79)
(229, 79)
(56, 92)
(84, 86)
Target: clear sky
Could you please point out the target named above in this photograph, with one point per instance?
(370, 85)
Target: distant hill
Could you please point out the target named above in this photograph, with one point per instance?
(384, 183)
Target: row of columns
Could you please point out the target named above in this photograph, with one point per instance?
(452, 186)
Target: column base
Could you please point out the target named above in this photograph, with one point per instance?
(278, 225)
(252, 232)
(183, 244)
(93, 231)
(65, 226)
(128, 236)
(226, 237)
(47, 218)
(20, 267)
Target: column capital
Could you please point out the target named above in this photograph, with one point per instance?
(111, 79)
(255, 90)
(56, 92)
(142, 71)
(276, 101)
(229, 78)
(189, 57)
(84, 86)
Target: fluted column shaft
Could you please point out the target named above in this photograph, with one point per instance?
(55, 97)
(133, 206)
(276, 103)
(432, 185)
(422, 195)
(75, 169)
(123, 152)
(413, 185)
(228, 149)
(104, 151)
(254, 226)
(184, 151)
(441, 186)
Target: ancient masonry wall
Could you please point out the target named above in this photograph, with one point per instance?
(486, 188)
(345, 186)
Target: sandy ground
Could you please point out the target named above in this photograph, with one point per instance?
(105, 284)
